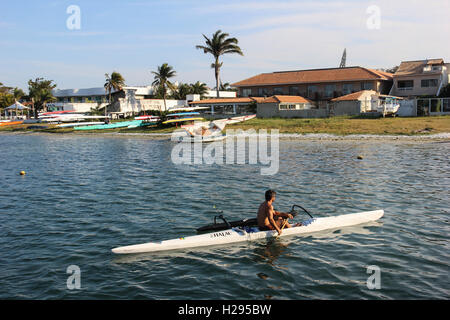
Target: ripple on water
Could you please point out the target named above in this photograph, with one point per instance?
(83, 196)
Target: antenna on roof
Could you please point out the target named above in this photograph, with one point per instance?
(343, 59)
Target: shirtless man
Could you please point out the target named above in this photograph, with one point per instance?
(268, 218)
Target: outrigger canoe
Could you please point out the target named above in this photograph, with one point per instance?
(10, 123)
(183, 114)
(183, 119)
(247, 233)
(122, 124)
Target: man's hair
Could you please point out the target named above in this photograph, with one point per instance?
(270, 194)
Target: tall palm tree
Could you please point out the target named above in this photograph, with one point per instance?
(218, 45)
(113, 82)
(161, 80)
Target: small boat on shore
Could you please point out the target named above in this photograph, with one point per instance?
(238, 119)
(11, 123)
(77, 124)
(183, 114)
(245, 233)
(177, 120)
(149, 118)
(204, 132)
(70, 118)
(122, 124)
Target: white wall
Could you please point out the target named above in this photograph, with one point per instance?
(407, 108)
(222, 94)
(139, 105)
(76, 106)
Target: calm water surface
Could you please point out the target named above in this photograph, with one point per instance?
(84, 195)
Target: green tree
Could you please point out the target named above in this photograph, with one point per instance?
(199, 88)
(219, 45)
(181, 91)
(18, 94)
(113, 82)
(445, 92)
(40, 93)
(161, 80)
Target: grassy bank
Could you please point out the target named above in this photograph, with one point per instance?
(335, 125)
(351, 125)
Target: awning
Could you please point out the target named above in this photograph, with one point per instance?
(17, 106)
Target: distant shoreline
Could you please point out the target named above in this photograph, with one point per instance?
(335, 128)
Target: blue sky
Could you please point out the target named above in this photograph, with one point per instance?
(134, 37)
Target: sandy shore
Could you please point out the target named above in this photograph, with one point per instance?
(289, 136)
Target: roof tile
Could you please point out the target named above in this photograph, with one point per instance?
(315, 76)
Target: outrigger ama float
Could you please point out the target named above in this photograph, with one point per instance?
(246, 230)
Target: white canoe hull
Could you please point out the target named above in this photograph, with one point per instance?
(77, 124)
(237, 235)
(210, 138)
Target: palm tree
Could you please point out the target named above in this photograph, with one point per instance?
(199, 88)
(18, 94)
(226, 87)
(116, 82)
(181, 91)
(161, 80)
(218, 45)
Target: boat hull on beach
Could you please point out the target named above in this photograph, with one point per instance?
(78, 124)
(234, 235)
(123, 124)
(10, 123)
(238, 119)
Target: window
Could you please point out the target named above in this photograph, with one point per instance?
(312, 90)
(246, 92)
(405, 84)
(329, 90)
(263, 92)
(347, 88)
(288, 106)
(278, 90)
(429, 83)
(366, 85)
(293, 91)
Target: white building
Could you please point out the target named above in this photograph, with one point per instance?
(128, 101)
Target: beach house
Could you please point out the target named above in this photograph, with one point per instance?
(420, 78)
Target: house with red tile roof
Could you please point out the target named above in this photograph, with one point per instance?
(316, 84)
(288, 107)
(364, 101)
(250, 105)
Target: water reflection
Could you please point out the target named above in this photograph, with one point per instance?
(270, 251)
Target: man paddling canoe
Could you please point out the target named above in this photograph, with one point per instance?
(268, 218)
